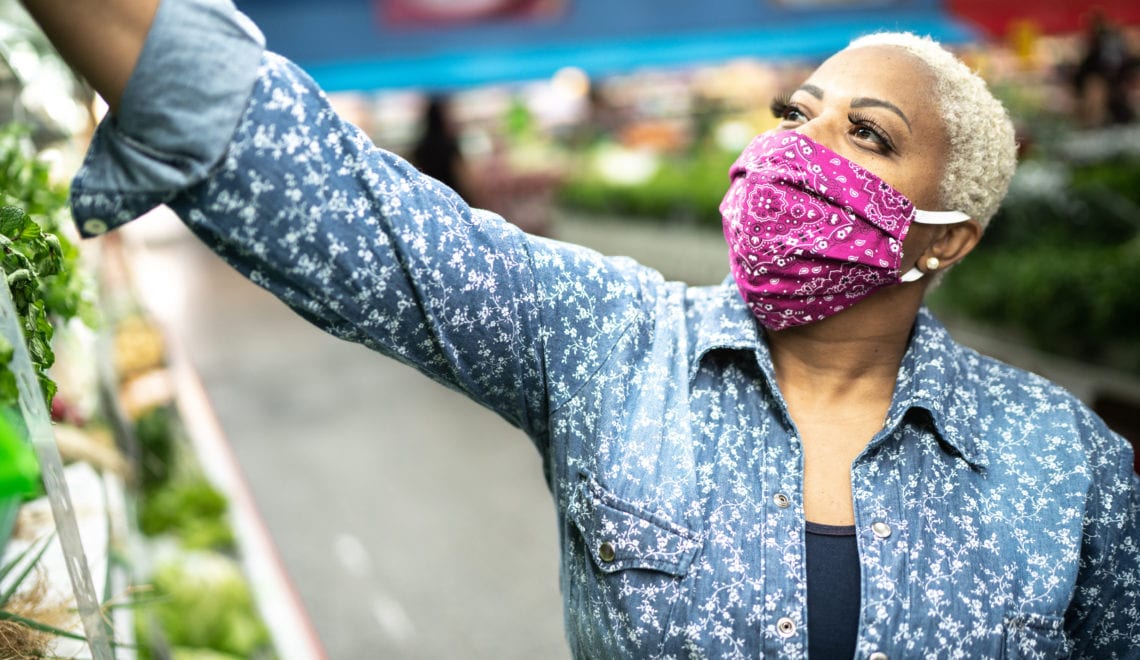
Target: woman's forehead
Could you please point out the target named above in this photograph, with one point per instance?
(885, 72)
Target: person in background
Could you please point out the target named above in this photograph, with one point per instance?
(1104, 75)
(437, 152)
(799, 461)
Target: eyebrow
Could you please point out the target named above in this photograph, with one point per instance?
(861, 102)
(813, 90)
(879, 103)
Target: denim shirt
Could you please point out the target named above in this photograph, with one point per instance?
(996, 516)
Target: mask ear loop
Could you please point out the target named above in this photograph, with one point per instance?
(932, 218)
(912, 275)
(939, 217)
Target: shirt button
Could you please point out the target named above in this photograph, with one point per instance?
(786, 627)
(606, 551)
(781, 500)
(878, 655)
(881, 529)
(94, 226)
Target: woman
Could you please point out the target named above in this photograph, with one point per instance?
(798, 461)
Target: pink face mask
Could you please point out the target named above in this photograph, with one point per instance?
(811, 233)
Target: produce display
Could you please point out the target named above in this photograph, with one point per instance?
(164, 558)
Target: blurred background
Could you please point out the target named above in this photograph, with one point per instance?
(375, 514)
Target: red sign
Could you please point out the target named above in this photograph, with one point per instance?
(1054, 16)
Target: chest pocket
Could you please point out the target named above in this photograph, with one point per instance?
(1035, 636)
(627, 573)
(620, 535)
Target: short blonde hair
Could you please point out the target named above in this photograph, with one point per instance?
(983, 148)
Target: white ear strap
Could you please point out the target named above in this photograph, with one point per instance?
(939, 217)
(932, 218)
(912, 275)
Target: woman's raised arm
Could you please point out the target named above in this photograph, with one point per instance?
(101, 39)
(243, 145)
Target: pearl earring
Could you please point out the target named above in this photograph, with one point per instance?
(933, 263)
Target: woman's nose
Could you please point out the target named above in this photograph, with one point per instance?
(811, 128)
(826, 128)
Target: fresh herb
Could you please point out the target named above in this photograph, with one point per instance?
(190, 508)
(37, 261)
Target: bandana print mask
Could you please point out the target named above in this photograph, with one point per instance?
(811, 233)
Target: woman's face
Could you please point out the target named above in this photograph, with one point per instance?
(874, 106)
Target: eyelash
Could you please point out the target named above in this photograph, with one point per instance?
(782, 105)
(866, 122)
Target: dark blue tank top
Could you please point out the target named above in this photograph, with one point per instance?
(832, 591)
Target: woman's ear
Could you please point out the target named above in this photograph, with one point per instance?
(958, 240)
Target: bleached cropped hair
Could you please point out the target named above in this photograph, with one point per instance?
(983, 149)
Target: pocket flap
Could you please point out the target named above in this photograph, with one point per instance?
(620, 535)
(1033, 635)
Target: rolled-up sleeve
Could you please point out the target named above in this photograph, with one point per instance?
(177, 116)
(369, 249)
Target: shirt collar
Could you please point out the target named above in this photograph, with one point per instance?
(930, 377)
(718, 320)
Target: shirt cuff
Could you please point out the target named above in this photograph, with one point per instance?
(177, 115)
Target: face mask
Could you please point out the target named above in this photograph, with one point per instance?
(811, 233)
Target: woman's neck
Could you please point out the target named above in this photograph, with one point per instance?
(850, 358)
(837, 377)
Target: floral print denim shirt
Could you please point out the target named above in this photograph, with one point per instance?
(996, 516)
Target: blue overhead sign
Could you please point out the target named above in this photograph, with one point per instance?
(374, 44)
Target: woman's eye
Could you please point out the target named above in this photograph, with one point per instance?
(867, 130)
(864, 133)
(786, 111)
(792, 113)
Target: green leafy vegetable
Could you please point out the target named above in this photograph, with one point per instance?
(203, 602)
(191, 508)
(38, 263)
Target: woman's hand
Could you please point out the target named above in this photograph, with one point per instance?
(101, 39)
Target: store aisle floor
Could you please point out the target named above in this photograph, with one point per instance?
(412, 522)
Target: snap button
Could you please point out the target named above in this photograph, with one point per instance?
(606, 551)
(878, 655)
(786, 627)
(94, 226)
(781, 500)
(881, 529)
